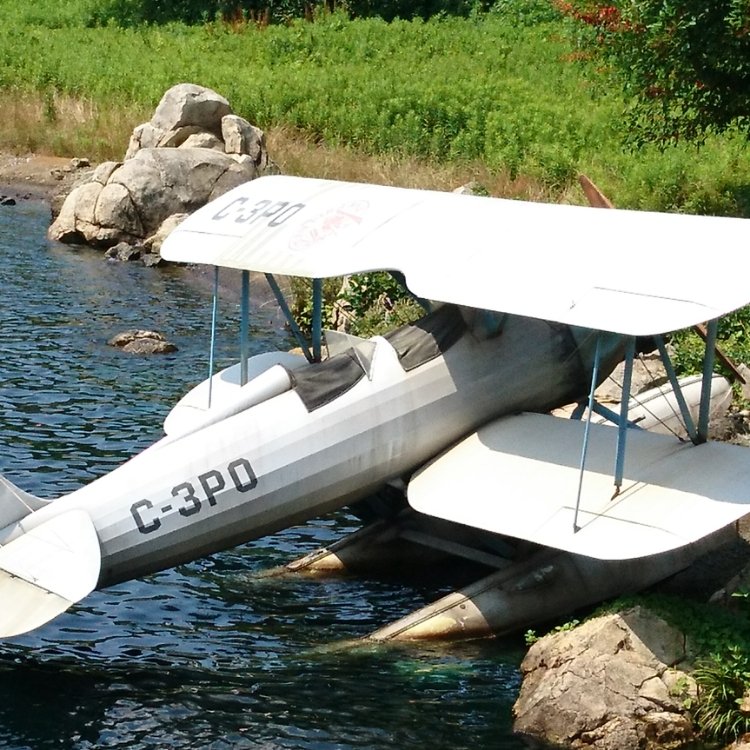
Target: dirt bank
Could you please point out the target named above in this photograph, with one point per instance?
(36, 175)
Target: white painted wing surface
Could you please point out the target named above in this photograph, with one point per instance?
(518, 476)
(45, 571)
(632, 272)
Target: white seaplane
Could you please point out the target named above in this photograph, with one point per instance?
(539, 302)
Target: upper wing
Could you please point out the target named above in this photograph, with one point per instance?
(630, 272)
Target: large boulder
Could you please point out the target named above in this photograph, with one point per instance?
(129, 201)
(192, 150)
(613, 683)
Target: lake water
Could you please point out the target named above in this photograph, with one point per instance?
(208, 655)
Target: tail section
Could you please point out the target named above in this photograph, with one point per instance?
(15, 504)
(45, 571)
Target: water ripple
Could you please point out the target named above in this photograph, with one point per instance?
(208, 655)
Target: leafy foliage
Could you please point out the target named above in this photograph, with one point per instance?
(723, 680)
(134, 12)
(365, 304)
(733, 338)
(684, 63)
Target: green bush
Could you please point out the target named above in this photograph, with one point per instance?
(683, 64)
(723, 680)
(367, 304)
(733, 338)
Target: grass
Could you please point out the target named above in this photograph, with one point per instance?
(66, 126)
(495, 99)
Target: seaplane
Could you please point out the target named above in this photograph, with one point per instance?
(528, 308)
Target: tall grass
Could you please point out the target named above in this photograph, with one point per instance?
(500, 95)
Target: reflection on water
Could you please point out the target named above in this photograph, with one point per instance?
(207, 655)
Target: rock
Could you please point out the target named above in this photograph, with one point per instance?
(151, 259)
(128, 202)
(154, 242)
(240, 137)
(472, 188)
(142, 342)
(189, 104)
(648, 372)
(610, 684)
(734, 592)
(193, 150)
(144, 136)
(203, 140)
(744, 371)
(123, 251)
(175, 138)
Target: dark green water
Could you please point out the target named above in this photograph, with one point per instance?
(208, 655)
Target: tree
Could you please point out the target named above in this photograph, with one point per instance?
(684, 64)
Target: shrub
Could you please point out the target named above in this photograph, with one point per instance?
(723, 681)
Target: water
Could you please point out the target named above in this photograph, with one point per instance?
(208, 655)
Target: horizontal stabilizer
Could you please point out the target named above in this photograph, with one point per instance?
(45, 571)
(519, 476)
(15, 504)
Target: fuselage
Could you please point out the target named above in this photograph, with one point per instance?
(279, 463)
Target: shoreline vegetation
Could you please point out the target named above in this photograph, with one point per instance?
(505, 99)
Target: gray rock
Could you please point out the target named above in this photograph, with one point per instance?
(648, 372)
(151, 259)
(240, 137)
(128, 202)
(189, 104)
(175, 138)
(174, 164)
(154, 242)
(203, 140)
(612, 683)
(472, 188)
(123, 251)
(142, 342)
(144, 136)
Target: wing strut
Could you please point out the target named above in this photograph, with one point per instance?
(293, 326)
(672, 375)
(212, 351)
(244, 326)
(622, 427)
(708, 369)
(584, 449)
(317, 321)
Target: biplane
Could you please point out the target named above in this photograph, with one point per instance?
(530, 307)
